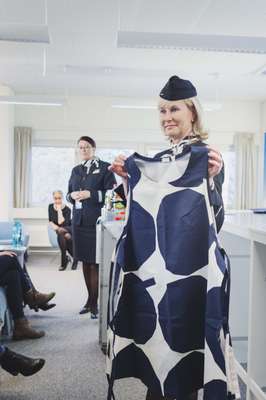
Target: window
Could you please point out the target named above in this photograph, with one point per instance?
(229, 186)
(109, 155)
(50, 170)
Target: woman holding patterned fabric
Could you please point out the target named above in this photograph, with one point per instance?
(87, 186)
(60, 220)
(169, 283)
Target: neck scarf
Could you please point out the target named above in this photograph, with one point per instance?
(60, 217)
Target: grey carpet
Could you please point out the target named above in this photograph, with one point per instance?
(75, 365)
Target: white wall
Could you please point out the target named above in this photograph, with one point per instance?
(96, 117)
(262, 172)
(6, 156)
(131, 128)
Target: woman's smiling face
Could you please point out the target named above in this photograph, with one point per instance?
(175, 119)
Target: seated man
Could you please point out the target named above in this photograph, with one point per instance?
(15, 363)
(18, 289)
(37, 301)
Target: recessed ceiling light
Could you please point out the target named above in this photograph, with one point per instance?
(135, 106)
(31, 101)
(183, 41)
(24, 33)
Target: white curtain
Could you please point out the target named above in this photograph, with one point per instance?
(22, 161)
(246, 162)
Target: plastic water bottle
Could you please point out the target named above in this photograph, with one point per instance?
(20, 234)
(17, 234)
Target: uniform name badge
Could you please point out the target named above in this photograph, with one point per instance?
(78, 205)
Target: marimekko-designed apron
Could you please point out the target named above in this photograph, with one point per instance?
(170, 283)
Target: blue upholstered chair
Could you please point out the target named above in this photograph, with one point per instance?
(52, 237)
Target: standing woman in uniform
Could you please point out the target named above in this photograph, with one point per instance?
(180, 120)
(86, 191)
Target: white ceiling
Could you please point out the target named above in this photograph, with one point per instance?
(83, 57)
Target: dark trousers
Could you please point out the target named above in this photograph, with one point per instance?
(16, 284)
(26, 278)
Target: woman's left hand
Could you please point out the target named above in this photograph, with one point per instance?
(215, 162)
(84, 194)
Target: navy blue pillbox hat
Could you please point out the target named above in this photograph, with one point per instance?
(178, 89)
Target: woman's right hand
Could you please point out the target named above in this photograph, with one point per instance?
(118, 166)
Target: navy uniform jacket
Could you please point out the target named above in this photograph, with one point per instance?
(97, 181)
(216, 199)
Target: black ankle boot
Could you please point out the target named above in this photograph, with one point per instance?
(64, 264)
(74, 265)
(15, 363)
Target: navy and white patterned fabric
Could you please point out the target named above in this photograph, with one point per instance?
(169, 284)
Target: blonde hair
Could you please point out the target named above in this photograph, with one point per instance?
(195, 107)
(58, 192)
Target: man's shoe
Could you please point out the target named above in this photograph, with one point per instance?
(23, 330)
(44, 307)
(47, 306)
(35, 299)
(15, 363)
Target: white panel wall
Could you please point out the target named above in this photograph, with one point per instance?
(96, 117)
(262, 172)
(122, 127)
(6, 156)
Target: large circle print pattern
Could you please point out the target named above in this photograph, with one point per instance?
(138, 367)
(181, 314)
(140, 239)
(136, 319)
(180, 238)
(184, 373)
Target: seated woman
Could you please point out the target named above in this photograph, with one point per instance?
(60, 220)
(19, 291)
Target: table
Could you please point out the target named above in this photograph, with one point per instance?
(244, 238)
(107, 235)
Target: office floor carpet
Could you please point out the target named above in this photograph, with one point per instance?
(75, 365)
